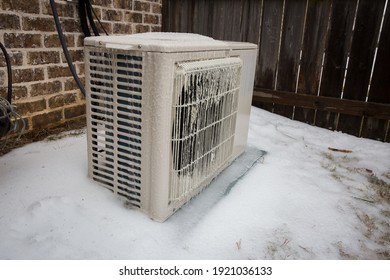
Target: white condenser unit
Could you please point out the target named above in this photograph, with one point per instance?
(166, 112)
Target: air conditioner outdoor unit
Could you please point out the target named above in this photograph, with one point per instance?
(166, 112)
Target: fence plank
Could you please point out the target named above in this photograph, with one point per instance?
(232, 30)
(218, 23)
(338, 45)
(196, 14)
(166, 11)
(203, 20)
(365, 36)
(187, 16)
(251, 32)
(292, 30)
(251, 21)
(269, 45)
(380, 85)
(313, 48)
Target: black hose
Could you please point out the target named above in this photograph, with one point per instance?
(83, 18)
(88, 7)
(100, 23)
(9, 72)
(64, 47)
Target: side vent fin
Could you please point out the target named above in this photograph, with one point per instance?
(116, 122)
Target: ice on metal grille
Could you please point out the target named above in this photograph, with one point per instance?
(205, 112)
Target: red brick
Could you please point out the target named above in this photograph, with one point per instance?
(63, 9)
(107, 26)
(43, 57)
(142, 28)
(30, 6)
(75, 111)
(15, 57)
(28, 107)
(75, 55)
(122, 28)
(9, 22)
(58, 71)
(18, 92)
(45, 88)
(40, 24)
(123, 4)
(52, 41)
(141, 6)
(156, 8)
(80, 40)
(80, 69)
(103, 3)
(72, 85)
(156, 28)
(27, 75)
(2, 77)
(47, 119)
(71, 25)
(62, 99)
(98, 12)
(112, 15)
(133, 17)
(22, 40)
(151, 19)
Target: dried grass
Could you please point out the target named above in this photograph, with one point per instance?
(10, 143)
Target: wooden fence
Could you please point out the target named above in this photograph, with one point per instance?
(322, 62)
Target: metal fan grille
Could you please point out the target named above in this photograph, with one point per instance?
(116, 121)
(205, 113)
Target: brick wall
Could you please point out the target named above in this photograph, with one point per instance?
(43, 89)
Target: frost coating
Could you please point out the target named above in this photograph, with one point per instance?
(205, 112)
(158, 42)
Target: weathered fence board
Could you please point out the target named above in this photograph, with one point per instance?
(365, 36)
(269, 44)
(290, 49)
(323, 51)
(380, 85)
(251, 21)
(336, 54)
(313, 48)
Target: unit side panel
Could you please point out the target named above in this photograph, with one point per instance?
(245, 98)
(158, 100)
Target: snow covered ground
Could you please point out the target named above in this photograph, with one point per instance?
(301, 201)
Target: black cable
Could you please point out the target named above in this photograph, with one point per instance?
(64, 47)
(9, 72)
(88, 7)
(100, 23)
(9, 118)
(5, 104)
(83, 18)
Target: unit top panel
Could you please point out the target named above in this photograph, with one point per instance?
(165, 42)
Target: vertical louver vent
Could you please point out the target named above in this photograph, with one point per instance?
(205, 112)
(116, 122)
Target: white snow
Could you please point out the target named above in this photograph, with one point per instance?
(302, 201)
(165, 42)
